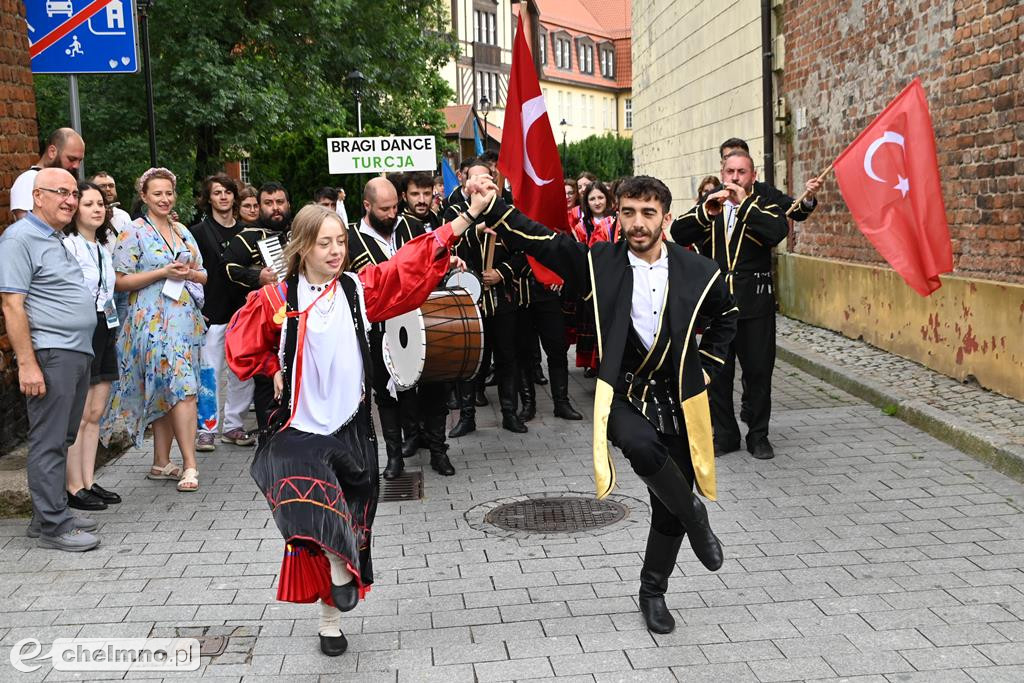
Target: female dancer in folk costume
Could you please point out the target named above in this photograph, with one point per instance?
(317, 462)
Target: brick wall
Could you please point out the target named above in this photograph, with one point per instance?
(19, 148)
(845, 59)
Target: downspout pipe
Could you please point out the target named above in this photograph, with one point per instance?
(767, 98)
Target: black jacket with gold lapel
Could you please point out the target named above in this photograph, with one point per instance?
(746, 257)
(698, 297)
(364, 250)
(473, 247)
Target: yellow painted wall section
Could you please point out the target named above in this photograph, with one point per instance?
(696, 82)
(968, 327)
(567, 102)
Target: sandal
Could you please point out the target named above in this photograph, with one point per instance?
(168, 471)
(189, 481)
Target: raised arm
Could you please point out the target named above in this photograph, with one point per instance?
(558, 251)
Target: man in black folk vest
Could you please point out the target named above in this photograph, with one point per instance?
(374, 239)
(651, 396)
(738, 228)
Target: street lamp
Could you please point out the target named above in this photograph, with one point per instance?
(485, 107)
(355, 81)
(564, 125)
(144, 8)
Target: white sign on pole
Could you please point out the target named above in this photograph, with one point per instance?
(381, 155)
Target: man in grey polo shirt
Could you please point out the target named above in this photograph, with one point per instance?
(50, 319)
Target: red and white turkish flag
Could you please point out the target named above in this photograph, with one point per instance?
(529, 157)
(889, 177)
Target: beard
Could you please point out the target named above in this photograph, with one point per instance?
(421, 211)
(383, 226)
(276, 221)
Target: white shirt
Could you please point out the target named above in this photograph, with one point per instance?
(650, 282)
(332, 364)
(21, 190)
(120, 219)
(341, 211)
(92, 264)
(731, 216)
(386, 243)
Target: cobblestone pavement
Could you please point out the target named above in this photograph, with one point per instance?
(865, 550)
(981, 410)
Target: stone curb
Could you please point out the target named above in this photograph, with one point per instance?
(1002, 455)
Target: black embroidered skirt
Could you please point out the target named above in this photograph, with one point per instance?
(322, 490)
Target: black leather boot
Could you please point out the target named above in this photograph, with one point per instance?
(507, 399)
(528, 394)
(659, 561)
(393, 447)
(672, 489)
(467, 410)
(538, 374)
(433, 435)
(560, 394)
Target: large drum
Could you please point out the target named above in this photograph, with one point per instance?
(442, 341)
(466, 280)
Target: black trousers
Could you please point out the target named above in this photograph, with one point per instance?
(647, 451)
(543, 319)
(754, 346)
(263, 399)
(423, 410)
(500, 339)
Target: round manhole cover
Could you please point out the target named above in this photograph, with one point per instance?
(549, 515)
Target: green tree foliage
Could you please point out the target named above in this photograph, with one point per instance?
(238, 76)
(606, 156)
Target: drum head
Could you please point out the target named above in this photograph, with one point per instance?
(467, 281)
(405, 348)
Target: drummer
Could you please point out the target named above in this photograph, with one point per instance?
(498, 267)
(375, 239)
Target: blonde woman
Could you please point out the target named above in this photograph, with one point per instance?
(317, 462)
(158, 262)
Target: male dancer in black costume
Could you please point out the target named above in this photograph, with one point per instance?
(651, 396)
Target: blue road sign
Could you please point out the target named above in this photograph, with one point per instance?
(82, 36)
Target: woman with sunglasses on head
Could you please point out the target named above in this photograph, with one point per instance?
(90, 233)
(158, 261)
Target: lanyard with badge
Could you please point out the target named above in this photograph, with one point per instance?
(109, 309)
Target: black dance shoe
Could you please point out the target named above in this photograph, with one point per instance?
(411, 445)
(464, 426)
(333, 646)
(83, 499)
(394, 468)
(512, 423)
(442, 465)
(761, 449)
(345, 597)
(108, 497)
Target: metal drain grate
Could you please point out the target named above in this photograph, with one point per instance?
(407, 486)
(547, 515)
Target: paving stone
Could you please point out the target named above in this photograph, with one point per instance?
(520, 669)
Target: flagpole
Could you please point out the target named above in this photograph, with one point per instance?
(799, 200)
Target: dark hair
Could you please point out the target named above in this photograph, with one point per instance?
(398, 181)
(326, 193)
(571, 182)
(106, 230)
(97, 174)
(489, 157)
(469, 162)
(645, 187)
(420, 179)
(588, 175)
(585, 212)
(225, 181)
(733, 142)
(272, 187)
(711, 180)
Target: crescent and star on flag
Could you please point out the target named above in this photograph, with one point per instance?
(887, 137)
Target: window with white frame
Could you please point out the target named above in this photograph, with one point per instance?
(563, 53)
(485, 27)
(608, 63)
(585, 56)
(629, 113)
(487, 84)
(543, 42)
(243, 170)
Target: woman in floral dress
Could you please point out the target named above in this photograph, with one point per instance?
(158, 262)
